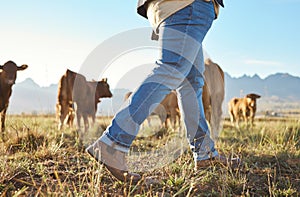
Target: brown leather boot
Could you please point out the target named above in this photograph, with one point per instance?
(113, 160)
(230, 162)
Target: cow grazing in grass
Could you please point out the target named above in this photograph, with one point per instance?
(78, 96)
(167, 111)
(243, 108)
(8, 75)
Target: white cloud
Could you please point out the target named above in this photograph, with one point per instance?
(262, 62)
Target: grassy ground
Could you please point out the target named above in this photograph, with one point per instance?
(38, 160)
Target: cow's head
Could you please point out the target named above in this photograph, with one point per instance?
(9, 71)
(103, 90)
(251, 99)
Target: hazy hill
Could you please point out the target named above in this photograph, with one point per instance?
(29, 97)
(277, 89)
(282, 85)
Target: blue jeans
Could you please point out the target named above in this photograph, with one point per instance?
(180, 66)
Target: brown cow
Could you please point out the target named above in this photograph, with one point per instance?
(87, 105)
(167, 110)
(243, 108)
(76, 95)
(8, 77)
(213, 96)
(127, 95)
(64, 106)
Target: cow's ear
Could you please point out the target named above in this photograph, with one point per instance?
(23, 67)
(253, 96)
(104, 80)
(257, 96)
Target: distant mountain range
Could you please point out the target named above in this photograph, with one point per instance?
(281, 85)
(276, 90)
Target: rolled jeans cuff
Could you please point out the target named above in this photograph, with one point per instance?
(105, 139)
(208, 155)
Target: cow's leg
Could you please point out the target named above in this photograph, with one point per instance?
(162, 115)
(149, 121)
(178, 116)
(93, 119)
(78, 115)
(3, 114)
(163, 122)
(217, 112)
(63, 112)
(173, 118)
(2, 124)
(57, 112)
(251, 117)
(146, 123)
(232, 119)
(164, 119)
(252, 120)
(245, 117)
(86, 122)
(216, 116)
(58, 115)
(206, 102)
(71, 117)
(208, 112)
(236, 117)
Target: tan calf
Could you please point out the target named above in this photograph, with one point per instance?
(243, 109)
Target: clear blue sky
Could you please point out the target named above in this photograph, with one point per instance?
(250, 37)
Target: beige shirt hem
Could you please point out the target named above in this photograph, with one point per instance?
(159, 10)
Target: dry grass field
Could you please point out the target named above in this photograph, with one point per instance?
(38, 160)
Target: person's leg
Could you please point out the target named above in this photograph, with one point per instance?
(190, 99)
(191, 106)
(181, 36)
(190, 91)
